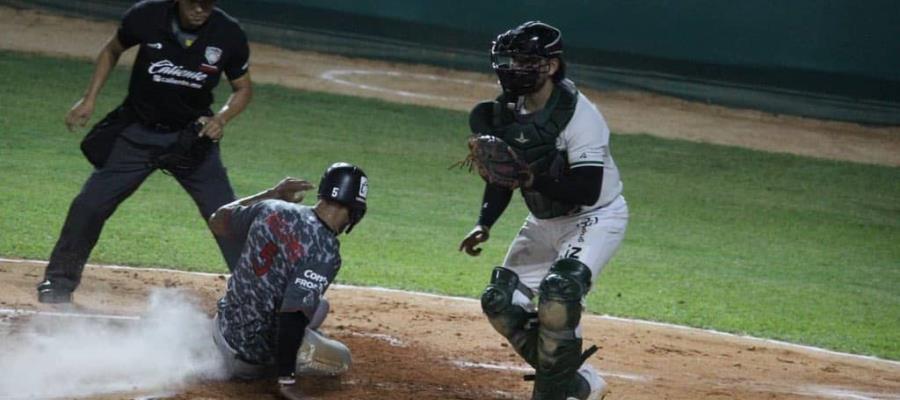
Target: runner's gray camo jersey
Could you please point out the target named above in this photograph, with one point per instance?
(289, 260)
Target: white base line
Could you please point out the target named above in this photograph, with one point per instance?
(17, 312)
(840, 393)
(529, 370)
(336, 76)
(465, 299)
(392, 341)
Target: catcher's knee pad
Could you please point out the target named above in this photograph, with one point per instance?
(499, 293)
(561, 292)
(497, 302)
(321, 355)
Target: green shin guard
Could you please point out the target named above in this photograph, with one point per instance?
(559, 357)
(516, 324)
(559, 314)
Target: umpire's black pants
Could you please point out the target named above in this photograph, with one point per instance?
(127, 167)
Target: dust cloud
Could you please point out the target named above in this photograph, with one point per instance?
(63, 357)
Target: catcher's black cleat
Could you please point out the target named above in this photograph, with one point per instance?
(50, 293)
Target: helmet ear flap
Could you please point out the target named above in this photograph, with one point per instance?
(356, 214)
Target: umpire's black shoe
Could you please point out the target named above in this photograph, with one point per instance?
(50, 293)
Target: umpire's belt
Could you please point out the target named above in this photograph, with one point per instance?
(163, 127)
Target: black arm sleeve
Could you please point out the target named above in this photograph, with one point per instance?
(495, 198)
(239, 61)
(132, 23)
(581, 186)
(480, 117)
(291, 328)
(493, 204)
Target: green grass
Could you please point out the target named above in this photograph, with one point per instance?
(771, 245)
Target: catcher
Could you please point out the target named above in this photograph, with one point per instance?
(273, 304)
(165, 122)
(544, 138)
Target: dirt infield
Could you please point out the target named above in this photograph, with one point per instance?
(626, 111)
(415, 346)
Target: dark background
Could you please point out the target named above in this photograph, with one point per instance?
(832, 59)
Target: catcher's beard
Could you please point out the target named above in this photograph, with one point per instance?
(524, 81)
(542, 81)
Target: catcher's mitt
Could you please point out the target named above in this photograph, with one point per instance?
(495, 161)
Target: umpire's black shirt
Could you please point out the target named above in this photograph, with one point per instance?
(172, 84)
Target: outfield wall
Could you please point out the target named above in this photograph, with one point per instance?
(836, 59)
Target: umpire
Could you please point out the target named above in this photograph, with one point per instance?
(185, 45)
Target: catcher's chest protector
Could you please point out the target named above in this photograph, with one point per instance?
(534, 137)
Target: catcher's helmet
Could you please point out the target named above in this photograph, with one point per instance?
(519, 56)
(346, 184)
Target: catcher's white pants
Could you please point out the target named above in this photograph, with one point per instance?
(591, 237)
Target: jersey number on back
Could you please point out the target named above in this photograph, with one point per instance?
(267, 254)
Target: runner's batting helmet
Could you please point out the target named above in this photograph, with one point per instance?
(346, 184)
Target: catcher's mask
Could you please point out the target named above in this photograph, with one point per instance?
(346, 184)
(520, 55)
